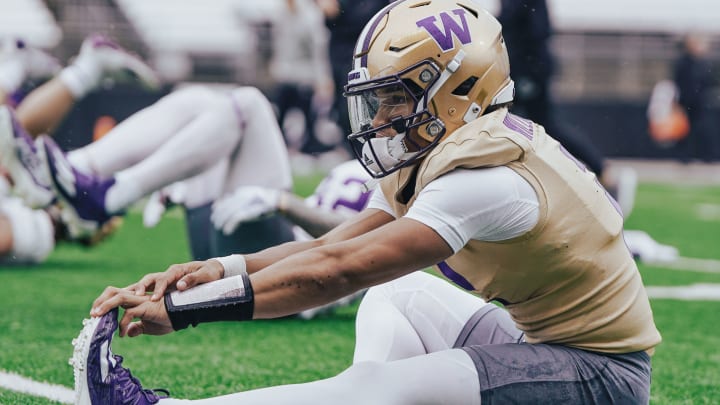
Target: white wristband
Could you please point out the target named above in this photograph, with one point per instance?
(234, 265)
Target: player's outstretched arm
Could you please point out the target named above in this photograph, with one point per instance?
(326, 273)
(305, 279)
(188, 275)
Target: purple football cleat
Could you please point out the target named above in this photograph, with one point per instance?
(81, 196)
(19, 155)
(100, 377)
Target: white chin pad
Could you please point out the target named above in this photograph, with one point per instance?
(390, 151)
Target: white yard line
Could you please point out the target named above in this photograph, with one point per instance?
(18, 383)
(689, 264)
(694, 292)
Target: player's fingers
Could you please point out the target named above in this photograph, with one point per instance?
(147, 283)
(160, 288)
(121, 298)
(136, 328)
(136, 288)
(211, 271)
(221, 212)
(124, 321)
(230, 225)
(107, 294)
(169, 278)
(135, 308)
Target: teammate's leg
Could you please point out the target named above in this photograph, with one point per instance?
(263, 158)
(211, 136)
(143, 133)
(45, 108)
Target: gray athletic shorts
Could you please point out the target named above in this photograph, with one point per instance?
(514, 372)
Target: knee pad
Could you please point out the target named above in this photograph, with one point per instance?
(33, 232)
(188, 99)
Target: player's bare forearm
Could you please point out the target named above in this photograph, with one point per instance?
(325, 273)
(364, 222)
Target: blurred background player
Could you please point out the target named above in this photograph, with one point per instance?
(28, 235)
(340, 195)
(694, 78)
(182, 135)
(527, 29)
(20, 63)
(345, 19)
(300, 69)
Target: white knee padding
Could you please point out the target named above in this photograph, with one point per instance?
(33, 232)
(414, 306)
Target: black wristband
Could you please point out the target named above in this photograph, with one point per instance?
(229, 299)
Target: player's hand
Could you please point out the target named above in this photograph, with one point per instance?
(152, 317)
(154, 209)
(177, 277)
(245, 204)
(160, 200)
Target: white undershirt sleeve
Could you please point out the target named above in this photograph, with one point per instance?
(490, 204)
(378, 201)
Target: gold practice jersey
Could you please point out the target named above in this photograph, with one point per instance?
(571, 279)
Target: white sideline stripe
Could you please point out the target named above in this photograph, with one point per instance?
(689, 264)
(18, 383)
(694, 292)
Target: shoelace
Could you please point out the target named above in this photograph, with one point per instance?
(130, 386)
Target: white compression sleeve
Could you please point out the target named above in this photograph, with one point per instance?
(447, 377)
(263, 158)
(213, 135)
(141, 134)
(394, 315)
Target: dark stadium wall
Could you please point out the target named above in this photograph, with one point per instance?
(618, 128)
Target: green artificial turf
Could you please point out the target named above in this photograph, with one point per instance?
(43, 307)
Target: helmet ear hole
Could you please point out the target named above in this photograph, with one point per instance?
(463, 89)
(416, 90)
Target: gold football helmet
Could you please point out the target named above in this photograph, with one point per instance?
(422, 69)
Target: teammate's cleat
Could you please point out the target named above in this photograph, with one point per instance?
(20, 62)
(20, 156)
(81, 196)
(99, 375)
(38, 63)
(647, 250)
(112, 59)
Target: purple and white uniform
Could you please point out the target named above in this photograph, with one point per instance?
(342, 190)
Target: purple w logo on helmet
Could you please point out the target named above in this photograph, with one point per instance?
(443, 36)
